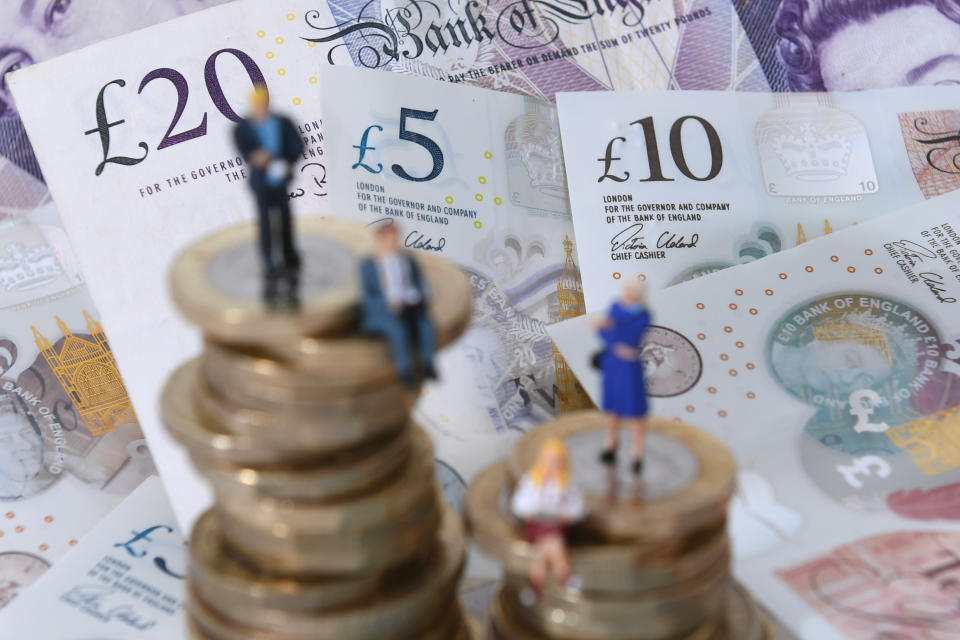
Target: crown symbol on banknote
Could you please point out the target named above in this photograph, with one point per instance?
(809, 155)
(22, 268)
(538, 146)
(543, 163)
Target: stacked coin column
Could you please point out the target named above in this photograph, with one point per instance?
(652, 555)
(327, 522)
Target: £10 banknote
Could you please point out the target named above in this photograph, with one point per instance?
(669, 186)
(833, 373)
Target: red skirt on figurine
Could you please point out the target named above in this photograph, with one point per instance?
(534, 531)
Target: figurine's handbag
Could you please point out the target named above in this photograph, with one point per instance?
(596, 360)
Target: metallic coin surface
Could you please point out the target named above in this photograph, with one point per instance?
(449, 309)
(216, 282)
(408, 607)
(211, 428)
(345, 422)
(504, 626)
(742, 619)
(450, 625)
(350, 472)
(411, 487)
(602, 567)
(342, 365)
(350, 553)
(687, 481)
(261, 383)
(225, 583)
(662, 613)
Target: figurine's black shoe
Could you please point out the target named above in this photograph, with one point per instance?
(409, 380)
(637, 466)
(291, 275)
(290, 303)
(608, 456)
(270, 297)
(430, 373)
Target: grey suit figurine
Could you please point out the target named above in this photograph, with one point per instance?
(394, 305)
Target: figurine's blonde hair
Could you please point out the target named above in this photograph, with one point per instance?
(551, 447)
(260, 93)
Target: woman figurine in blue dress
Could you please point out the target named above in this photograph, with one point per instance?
(624, 394)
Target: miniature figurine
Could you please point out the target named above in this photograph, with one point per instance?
(394, 305)
(271, 145)
(548, 502)
(624, 392)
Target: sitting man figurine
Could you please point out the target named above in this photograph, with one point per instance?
(548, 503)
(394, 305)
(624, 392)
(271, 145)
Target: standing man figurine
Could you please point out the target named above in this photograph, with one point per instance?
(548, 502)
(271, 145)
(624, 392)
(394, 305)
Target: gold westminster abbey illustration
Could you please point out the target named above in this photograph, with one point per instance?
(88, 373)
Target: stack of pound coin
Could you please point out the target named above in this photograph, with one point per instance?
(327, 520)
(652, 555)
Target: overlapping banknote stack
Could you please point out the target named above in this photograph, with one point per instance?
(829, 366)
(327, 520)
(653, 555)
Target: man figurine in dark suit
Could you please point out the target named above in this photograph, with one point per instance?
(271, 145)
(394, 304)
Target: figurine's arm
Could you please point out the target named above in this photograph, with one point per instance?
(638, 326)
(292, 142)
(600, 322)
(372, 294)
(525, 502)
(574, 508)
(418, 280)
(246, 142)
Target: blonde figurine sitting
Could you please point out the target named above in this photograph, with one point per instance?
(548, 503)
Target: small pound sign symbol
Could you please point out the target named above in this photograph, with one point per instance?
(864, 466)
(103, 128)
(862, 404)
(363, 148)
(608, 159)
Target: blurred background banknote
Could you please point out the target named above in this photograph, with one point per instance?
(186, 178)
(70, 444)
(194, 182)
(833, 373)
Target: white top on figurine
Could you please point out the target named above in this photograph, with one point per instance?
(398, 287)
(547, 501)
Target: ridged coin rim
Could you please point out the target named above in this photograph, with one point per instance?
(702, 503)
(251, 322)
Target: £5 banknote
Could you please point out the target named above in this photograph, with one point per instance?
(125, 579)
